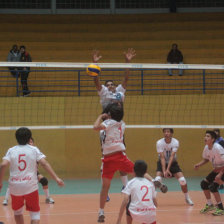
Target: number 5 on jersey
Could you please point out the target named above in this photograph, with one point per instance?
(22, 162)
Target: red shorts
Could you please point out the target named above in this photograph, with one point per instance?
(32, 201)
(115, 162)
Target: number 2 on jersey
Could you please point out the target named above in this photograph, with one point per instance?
(146, 192)
(22, 162)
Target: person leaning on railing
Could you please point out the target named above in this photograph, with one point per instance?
(175, 57)
(14, 56)
(24, 71)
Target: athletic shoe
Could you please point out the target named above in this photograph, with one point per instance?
(207, 208)
(123, 187)
(101, 216)
(188, 201)
(5, 202)
(27, 93)
(108, 198)
(218, 212)
(49, 201)
(163, 188)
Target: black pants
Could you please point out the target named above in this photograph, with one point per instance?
(14, 71)
(24, 76)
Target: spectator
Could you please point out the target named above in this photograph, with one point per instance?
(14, 56)
(24, 71)
(173, 6)
(175, 57)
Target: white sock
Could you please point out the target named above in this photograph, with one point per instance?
(158, 178)
(124, 180)
(7, 194)
(186, 195)
(101, 211)
(46, 191)
(209, 201)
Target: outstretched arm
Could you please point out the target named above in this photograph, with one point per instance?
(163, 163)
(201, 163)
(167, 172)
(148, 177)
(43, 162)
(122, 208)
(128, 57)
(96, 57)
(98, 123)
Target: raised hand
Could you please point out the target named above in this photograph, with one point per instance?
(96, 56)
(129, 54)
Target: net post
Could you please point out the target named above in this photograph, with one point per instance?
(17, 83)
(79, 91)
(142, 82)
(204, 87)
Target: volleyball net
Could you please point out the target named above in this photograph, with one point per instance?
(63, 96)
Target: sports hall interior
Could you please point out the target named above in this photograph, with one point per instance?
(75, 153)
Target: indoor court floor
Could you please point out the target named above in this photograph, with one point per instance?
(81, 205)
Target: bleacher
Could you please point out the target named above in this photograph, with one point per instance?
(71, 38)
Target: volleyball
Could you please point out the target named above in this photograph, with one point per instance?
(93, 70)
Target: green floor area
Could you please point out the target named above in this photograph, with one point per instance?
(92, 186)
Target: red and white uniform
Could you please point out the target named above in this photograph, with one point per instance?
(215, 155)
(23, 169)
(107, 96)
(167, 148)
(113, 136)
(142, 192)
(113, 147)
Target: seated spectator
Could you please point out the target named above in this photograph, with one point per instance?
(14, 56)
(175, 57)
(24, 71)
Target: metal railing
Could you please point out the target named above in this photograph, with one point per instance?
(75, 82)
(107, 6)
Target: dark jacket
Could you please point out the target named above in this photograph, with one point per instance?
(14, 56)
(175, 57)
(25, 57)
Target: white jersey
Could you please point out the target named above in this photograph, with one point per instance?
(113, 136)
(23, 168)
(215, 155)
(167, 148)
(107, 96)
(142, 193)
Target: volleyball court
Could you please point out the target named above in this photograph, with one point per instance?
(145, 116)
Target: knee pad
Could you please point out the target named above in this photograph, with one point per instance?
(213, 187)
(35, 215)
(204, 185)
(19, 211)
(182, 181)
(44, 181)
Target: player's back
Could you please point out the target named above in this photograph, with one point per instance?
(113, 136)
(142, 192)
(23, 168)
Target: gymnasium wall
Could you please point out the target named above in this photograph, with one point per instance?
(75, 153)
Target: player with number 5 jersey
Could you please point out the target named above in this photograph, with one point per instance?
(23, 184)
